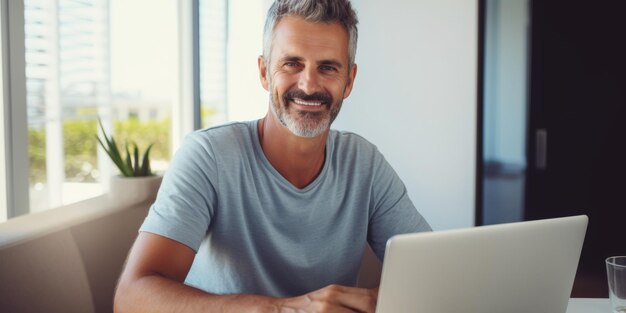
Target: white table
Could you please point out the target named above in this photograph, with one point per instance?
(588, 305)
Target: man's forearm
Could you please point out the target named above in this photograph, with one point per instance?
(154, 294)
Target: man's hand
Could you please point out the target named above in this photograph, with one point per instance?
(334, 299)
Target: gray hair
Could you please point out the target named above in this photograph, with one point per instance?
(327, 11)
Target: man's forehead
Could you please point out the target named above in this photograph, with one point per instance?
(294, 36)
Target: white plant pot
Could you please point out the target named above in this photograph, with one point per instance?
(132, 190)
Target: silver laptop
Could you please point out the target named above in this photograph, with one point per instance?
(508, 268)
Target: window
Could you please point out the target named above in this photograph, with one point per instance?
(231, 39)
(127, 63)
(213, 45)
(86, 60)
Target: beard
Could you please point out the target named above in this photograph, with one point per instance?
(304, 123)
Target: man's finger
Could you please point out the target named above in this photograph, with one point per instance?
(356, 299)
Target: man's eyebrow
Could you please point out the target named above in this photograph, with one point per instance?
(290, 58)
(334, 63)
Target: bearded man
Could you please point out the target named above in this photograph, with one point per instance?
(273, 215)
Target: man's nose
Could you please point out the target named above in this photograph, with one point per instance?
(309, 81)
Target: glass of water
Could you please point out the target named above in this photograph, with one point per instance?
(616, 272)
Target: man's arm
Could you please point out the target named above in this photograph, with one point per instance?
(152, 281)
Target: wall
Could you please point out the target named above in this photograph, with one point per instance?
(415, 98)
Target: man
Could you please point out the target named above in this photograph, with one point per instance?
(273, 215)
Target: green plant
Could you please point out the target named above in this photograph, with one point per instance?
(130, 165)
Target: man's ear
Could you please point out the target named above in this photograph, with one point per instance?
(263, 72)
(350, 83)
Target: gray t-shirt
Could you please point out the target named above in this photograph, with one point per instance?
(254, 232)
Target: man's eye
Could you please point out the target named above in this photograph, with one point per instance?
(327, 68)
(291, 64)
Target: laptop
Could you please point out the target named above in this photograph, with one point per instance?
(508, 268)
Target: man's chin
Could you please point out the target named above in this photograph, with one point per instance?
(307, 130)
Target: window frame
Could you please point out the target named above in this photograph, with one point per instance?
(14, 109)
(186, 112)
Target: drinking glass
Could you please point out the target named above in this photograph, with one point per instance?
(616, 272)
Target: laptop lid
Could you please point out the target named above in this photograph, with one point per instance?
(518, 267)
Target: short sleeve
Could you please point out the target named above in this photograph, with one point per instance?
(393, 212)
(187, 197)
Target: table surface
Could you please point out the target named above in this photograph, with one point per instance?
(589, 305)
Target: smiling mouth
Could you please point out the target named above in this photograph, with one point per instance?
(307, 103)
(316, 101)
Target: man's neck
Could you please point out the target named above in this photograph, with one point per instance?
(299, 160)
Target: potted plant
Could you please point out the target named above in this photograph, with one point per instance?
(136, 181)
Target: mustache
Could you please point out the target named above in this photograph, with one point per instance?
(322, 97)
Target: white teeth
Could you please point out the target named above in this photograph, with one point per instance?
(302, 102)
